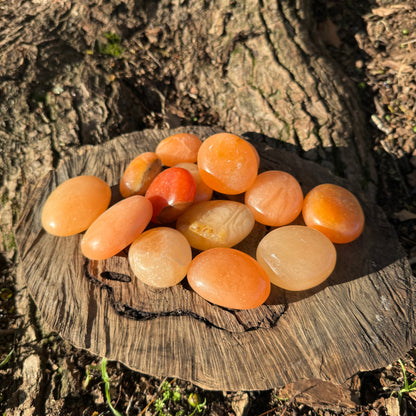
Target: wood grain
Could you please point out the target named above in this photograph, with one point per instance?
(361, 318)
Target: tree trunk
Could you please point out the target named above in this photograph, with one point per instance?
(261, 66)
(257, 68)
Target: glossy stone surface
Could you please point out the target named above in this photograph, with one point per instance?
(203, 191)
(116, 228)
(139, 174)
(160, 257)
(227, 163)
(74, 205)
(229, 278)
(334, 211)
(275, 198)
(179, 148)
(296, 257)
(171, 193)
(216, 223)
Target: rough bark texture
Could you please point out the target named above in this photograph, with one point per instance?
(360, 319)
(262, 68)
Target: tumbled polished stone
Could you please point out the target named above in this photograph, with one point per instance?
(73, 206)
(296, 257)
(216, 223)
(139, 174)
(275, 198)
(227, 163)
(335, 212)
(116, 228)
(229, 278)
(160, 257)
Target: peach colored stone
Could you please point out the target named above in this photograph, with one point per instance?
(296, 257)
(160, 257)
(227, 163)
(229, 278)
(74, 205)
(275, 198)
(179, 148)
(116, 228)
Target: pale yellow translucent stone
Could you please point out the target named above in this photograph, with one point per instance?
(160, 257)
(296, 257)
(216, 223)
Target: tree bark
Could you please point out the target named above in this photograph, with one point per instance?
(262, 67)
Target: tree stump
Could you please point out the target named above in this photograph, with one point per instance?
(360, 319)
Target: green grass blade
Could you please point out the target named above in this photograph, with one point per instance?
(6, 360)
(106, 380)
(406, 384)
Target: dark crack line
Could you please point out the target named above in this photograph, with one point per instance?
(135, 314)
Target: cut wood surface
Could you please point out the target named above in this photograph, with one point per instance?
(360, 319)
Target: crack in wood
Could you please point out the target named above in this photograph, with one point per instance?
(130, 312)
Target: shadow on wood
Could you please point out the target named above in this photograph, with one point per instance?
(361, 318)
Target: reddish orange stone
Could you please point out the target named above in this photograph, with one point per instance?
(229, 278)
(74, 205)
(227, 163)
(203, 191)
(275, 198)
(335, 212)
(116, 228)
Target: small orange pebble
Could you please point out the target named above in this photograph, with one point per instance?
(139, 174)
(116, 228)
(203, 191)
(229, 278)
(160, 257)
(296, 257)
(275, 198)
(227, 163)
(335, 212)
(179, 148)
(73, 206)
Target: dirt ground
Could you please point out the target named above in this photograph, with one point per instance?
(68, 92)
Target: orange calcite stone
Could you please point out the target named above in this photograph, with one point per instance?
(229, 278)
(203, 191)
(116, 228)
(227, 163)
(334, 211)
(171, 193)
(139, 174)
(296, 257)
(215, 223)
(275, 198)
(160, 257)
(179, 148)
(74, 205)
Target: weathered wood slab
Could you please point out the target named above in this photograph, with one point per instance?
(361, 318)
